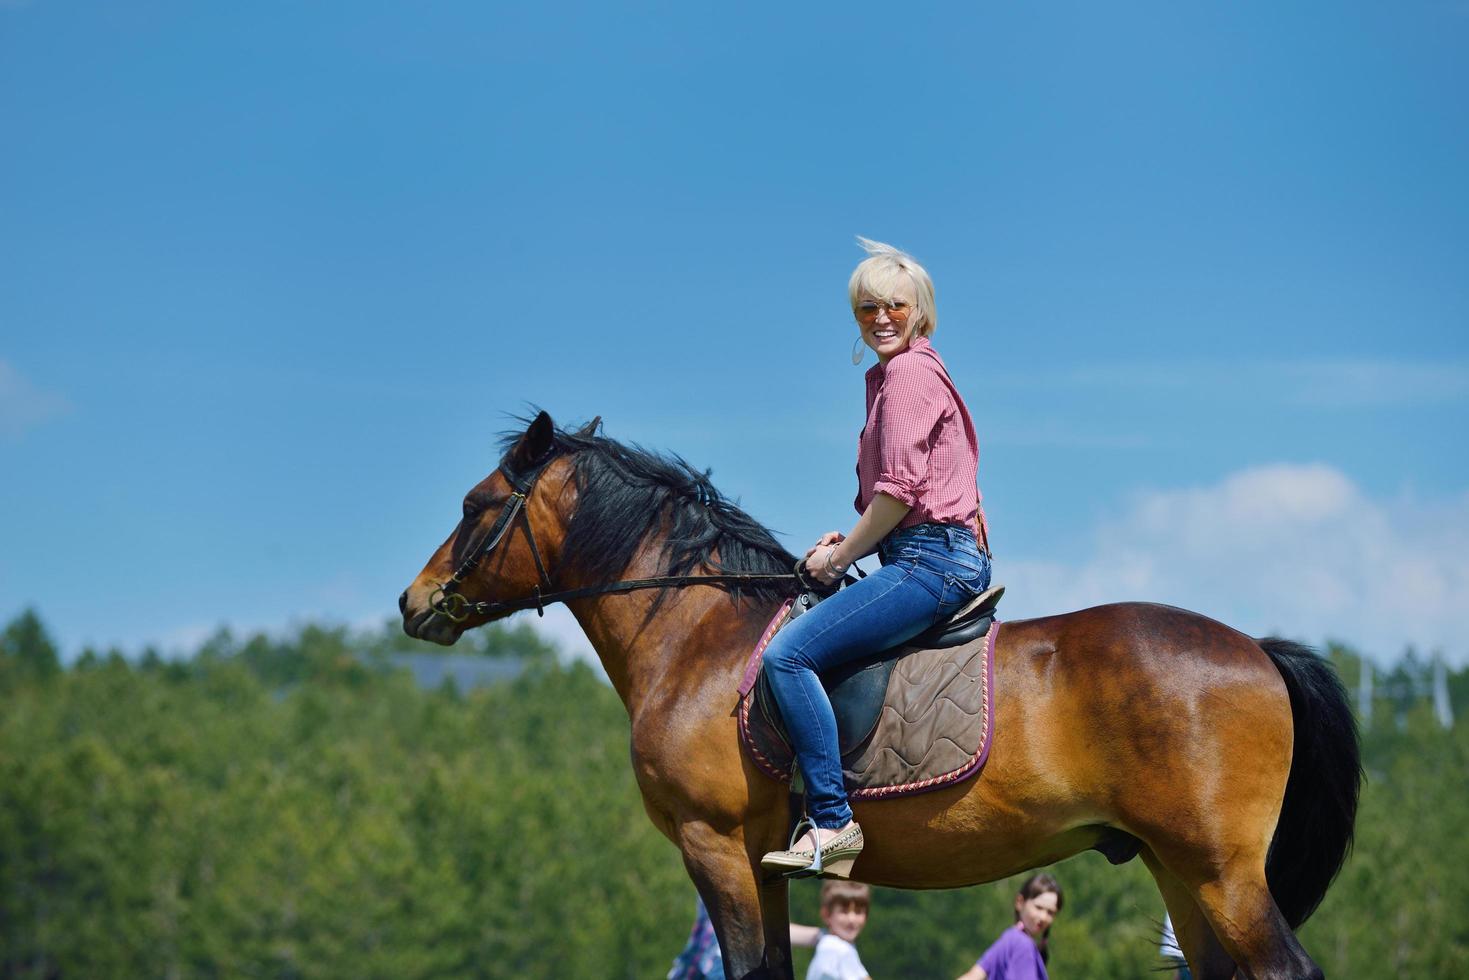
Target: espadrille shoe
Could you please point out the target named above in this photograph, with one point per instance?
(833, 859)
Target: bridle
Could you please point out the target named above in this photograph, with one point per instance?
(447, 601)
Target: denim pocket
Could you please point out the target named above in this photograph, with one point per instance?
(958, 592)
(966, 575)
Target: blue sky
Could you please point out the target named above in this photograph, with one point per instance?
(272, 277)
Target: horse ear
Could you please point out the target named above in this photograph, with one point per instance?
(538, 440)
(590, 429)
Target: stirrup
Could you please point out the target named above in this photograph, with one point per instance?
(813, 869)
(831, 859)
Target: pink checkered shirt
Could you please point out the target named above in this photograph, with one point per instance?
(919, 443)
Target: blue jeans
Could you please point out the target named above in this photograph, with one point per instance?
(928, 572)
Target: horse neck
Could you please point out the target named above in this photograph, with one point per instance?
(694, 636)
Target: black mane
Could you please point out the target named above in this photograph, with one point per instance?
(626, 492)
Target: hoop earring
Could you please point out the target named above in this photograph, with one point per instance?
(859, 351)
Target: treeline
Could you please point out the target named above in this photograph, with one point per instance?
(299, 807)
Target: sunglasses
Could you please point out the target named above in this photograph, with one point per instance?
(898, 311)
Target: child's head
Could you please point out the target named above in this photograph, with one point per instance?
(844, 908)
(1036, 906)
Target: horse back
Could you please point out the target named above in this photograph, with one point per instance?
(1134, 696)
(1127, 643)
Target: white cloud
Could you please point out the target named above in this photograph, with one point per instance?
(23, 406)
(1292, 549)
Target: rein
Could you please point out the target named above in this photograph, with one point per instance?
(455, 607)
(448, 602)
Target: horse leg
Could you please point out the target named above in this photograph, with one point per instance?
(1237, 905)
(750, 916)
(775, 910)
(1206, 958)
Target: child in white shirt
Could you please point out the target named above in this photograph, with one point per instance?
(844, 907)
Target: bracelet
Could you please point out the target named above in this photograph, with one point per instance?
(831, 565)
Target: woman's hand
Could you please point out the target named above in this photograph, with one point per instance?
(820, 563)
(829, 538)
(821, 566)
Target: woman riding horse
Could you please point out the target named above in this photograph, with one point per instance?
(1228, 765)
(917, 458)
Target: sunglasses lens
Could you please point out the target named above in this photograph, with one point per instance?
(868, 312)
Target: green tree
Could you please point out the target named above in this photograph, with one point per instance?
(26, 649)
(296, 807)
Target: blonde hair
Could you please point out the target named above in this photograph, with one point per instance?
(877, 277)
(837, 891)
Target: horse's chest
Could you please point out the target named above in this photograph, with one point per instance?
(679, 758)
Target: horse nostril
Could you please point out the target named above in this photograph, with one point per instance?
(403, 602)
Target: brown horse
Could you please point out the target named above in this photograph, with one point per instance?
(1230, 765)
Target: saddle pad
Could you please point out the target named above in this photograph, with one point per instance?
(934, 728)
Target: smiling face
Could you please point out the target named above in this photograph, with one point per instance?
(1037, 914)
(888, 322)
(844, 920)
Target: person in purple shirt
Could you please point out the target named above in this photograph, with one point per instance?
(1020, 953)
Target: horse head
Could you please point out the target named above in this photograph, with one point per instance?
(505, 548)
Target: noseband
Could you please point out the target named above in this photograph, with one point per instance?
(447, 601)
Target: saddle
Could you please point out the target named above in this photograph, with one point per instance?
(909, 719)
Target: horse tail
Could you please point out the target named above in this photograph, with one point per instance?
(1314, 833)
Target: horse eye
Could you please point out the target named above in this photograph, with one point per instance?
(470, 510)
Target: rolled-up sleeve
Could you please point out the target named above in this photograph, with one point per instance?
(913, 401)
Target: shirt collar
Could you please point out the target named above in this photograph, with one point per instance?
(877, 370)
